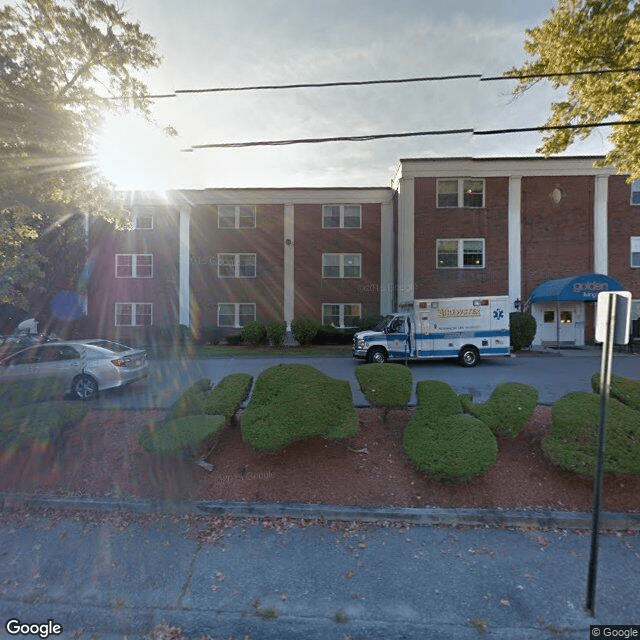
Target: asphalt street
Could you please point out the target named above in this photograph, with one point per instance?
(113, 577)
(553, 375)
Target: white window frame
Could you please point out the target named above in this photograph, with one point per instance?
(142, 216)
(236, 265)
(236, 312)
(341, 314)
(237, 218)
(342, 207)
(460, 254)
(634, 198)
(134, 264)
(634, 252)
(134, 314)
(342, 259)
(460, 199)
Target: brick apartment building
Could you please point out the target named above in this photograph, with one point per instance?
(549, 233)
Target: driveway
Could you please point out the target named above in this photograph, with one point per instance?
(553, 375)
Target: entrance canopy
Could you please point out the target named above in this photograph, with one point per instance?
(582, 288)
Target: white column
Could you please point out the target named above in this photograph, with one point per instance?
(386, 258)
(600, 224)
(288, 264)
(406, 234)
(183, 284)
(515, 240)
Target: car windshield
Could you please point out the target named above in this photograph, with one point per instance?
(383, 323)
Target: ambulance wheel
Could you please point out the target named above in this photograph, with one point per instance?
(469, 356)
(377, 355)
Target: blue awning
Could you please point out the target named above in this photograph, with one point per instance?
(582, 288)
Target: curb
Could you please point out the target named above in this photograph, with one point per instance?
(421, 516)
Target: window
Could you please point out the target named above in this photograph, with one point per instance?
(566, 317)
(460, 192)
(341, 315)
(236, 216)
(143, 221)
(635, 192)
(134, 314)
(341, 216)
(460, 253)
(236, 314)
(549, 316)
(236, 265)
(341, 265)
(635, 251)
(134, 265)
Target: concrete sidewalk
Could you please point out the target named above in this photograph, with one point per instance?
(107, 574)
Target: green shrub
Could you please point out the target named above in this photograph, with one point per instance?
(437, 399)
(523, 329)
(234, 340)
(385, 385)
(182, 435)
(276, 332)
(328, 334)
(572, 441)
(625, 390)
(292, 402)
(227, 396)
(368, 322)
(304, 330)
(509, 408)
(210, 335)
(253, 333)
(13, 394)
(43, 422)
(191, 402)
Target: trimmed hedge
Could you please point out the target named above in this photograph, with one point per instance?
(276, 332)
(304, 330)
(385, 385)
(14, 394)
(509, 408)
(191, 402)
(444, 443)
(522, 329)
(254, 333)
(184, 434)
(227, 396)
(292, 402)
(625, 390)
(572, 441)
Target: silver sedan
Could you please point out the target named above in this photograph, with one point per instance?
(84, 366)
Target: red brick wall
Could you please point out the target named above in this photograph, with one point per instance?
(432, 223)
(311, 241)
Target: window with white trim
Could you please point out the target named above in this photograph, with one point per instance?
(341, 265)
(460, 253)
(134, 314)
(236, 265)
(236, 314)
(635, 251)
(134, 265)
(341, 315)
(635, 192)
(341, 216)
(460, 193)
(236, 216)
(143, 221)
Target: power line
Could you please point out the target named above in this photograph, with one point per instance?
(411, 134)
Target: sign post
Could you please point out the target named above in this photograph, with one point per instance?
(613, 314)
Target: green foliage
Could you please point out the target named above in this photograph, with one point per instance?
(210, 335)
(183, 435)
(585, 35)
(304, 330)
(253, 333)
(509, 408)
(227, 396)
(191, 402)
(443, 443)
(276, 332)
(625, 390)
(369, 322)
(293, 402)
(13, 394)
(385, 385)
(234, 339)
(572, 441)
(522, 327)
(331, 335)
(43, 422)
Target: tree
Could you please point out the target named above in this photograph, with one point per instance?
(590, 36)
(63, 65)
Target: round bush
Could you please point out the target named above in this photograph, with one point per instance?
(523, 329)
(276, 332)
(385, 385)
(304, 330)
(253, 333)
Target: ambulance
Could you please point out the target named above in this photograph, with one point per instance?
(462, 328)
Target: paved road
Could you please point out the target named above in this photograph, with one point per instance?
(552, 374)
(113, 578)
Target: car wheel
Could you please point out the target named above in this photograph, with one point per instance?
(377, 355)
(84, 387)
(469, 357)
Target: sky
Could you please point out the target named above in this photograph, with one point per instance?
(223, 43)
